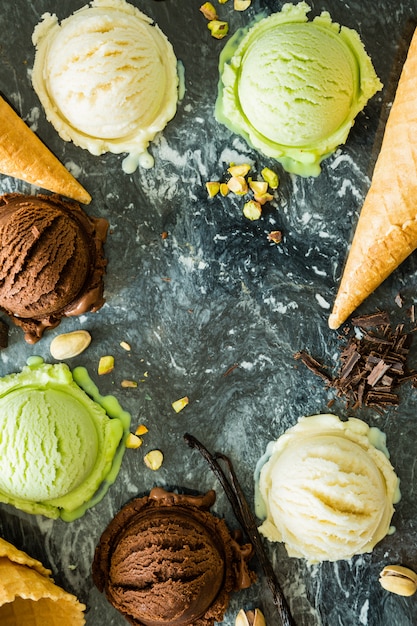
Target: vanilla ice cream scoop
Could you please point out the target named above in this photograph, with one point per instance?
(293, 87)
(327, 489)
(107, 79)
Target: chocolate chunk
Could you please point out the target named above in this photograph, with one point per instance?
(380, 318)
(372, 367)
(312, 365)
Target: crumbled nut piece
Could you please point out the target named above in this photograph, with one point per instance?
(259, 187)
(141, 430)
(218, 29)
(270, 177)
(224, 189)
(263, 198)
(275, 236)
(164, 235)
(238, 185)
(178, 405)
(239, 170)
(154, 459)
(69, 345)
(129, 383)
(125, 345)
(241, 5)
(399, 300)
(213, 188)
(133, 442)
(208, 11)
(252, 210)
(105, 365)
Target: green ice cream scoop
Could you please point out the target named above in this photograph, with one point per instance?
(59, 448)
(293, 87)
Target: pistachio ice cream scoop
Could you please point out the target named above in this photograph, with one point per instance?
(292, 87)
(59, 448)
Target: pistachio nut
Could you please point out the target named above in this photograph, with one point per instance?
(250, 618)
(398, 579)
(68, 345)
(154, 459)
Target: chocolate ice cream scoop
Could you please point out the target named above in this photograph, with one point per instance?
(51, 261)
(165, 559)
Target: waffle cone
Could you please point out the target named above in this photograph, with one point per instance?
(24, 156)
(28, 594)
(386, 232)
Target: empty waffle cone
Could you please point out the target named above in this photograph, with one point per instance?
(28, 595)
(24, 156)
(386, 232)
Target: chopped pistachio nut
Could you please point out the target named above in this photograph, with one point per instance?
(239, 170)
(213, 188)
(238, 185)
(218, 29)
(178, 405)
(141, 430)
(129, 383)
(224, 189)
(223, 1)
(68, 345)
(125, 346)
(153, 459)
(275, 236)
(106, 365)
(270, 177)
(241, 5)
(208, 11)
(252, 210)
(259, 187)
(133, 442)
(263, 198)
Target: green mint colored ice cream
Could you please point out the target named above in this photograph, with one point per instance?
(60, 449)
(292, 87)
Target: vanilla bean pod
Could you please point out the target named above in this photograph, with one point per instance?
(246, 519)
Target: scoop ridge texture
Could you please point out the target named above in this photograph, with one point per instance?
(51, 261)
(165, 560)
(107, 78)
(328, 490)
(56, 444)
(292, 88)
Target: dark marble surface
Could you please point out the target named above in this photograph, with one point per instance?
(216, 293)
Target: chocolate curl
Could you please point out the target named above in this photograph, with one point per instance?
(245, 517)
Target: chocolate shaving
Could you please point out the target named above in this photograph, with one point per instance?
(312, 365)
(246, 519)
(373, 366)
(377, 373)
(350, 364)
(380, 318)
